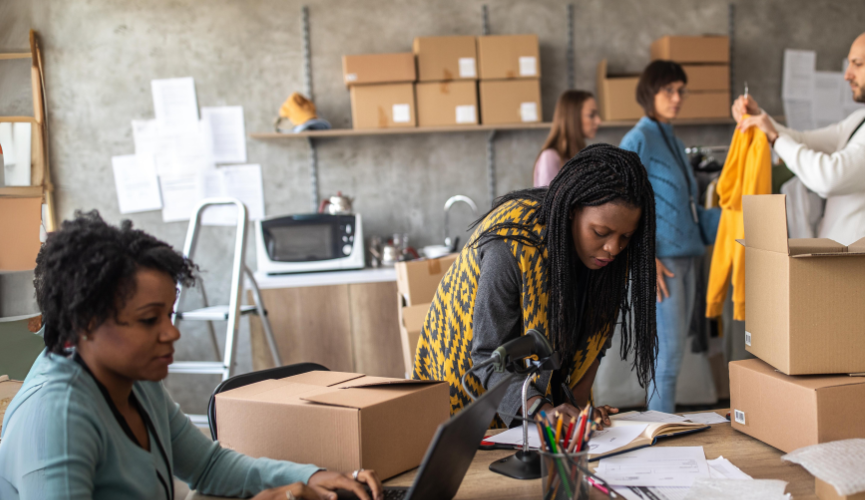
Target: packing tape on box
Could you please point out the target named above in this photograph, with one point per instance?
(839, 463)
(730, 489)
(434, 266)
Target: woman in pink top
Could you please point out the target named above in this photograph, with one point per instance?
(576, 119)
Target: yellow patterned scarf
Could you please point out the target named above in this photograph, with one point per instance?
(444, 347)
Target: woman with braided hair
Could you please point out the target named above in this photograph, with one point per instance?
(568, 261)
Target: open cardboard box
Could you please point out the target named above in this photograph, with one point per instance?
(826, 491)
(791, 412)
(803, 297)
(617, 95)
(341, 421)
(411, 320)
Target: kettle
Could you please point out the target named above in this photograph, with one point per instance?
(336, 205)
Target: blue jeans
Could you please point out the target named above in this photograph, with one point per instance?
(673, 320)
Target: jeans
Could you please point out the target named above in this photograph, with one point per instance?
(674, 321)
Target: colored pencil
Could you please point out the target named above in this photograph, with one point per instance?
(558, 429)
(569, 432)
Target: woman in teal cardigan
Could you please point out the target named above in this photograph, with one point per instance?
(683, 227)
(92, 420)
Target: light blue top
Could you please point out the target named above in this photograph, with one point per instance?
(60, 440)
(677, 235)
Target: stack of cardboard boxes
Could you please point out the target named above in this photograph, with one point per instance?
(806, 324)
(384, 93)
(706, 61)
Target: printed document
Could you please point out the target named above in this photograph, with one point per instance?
(174, 104)
(655, 466)
(136, 183)
(228, 138)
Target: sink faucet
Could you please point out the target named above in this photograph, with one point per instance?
(452, 243)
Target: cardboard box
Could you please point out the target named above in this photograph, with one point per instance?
(383, 106)
(418, 280)
(445, 58)
(8, 389)
(617, 95)
(706, 105)
(510, 101)
(803, 297)
(21, 217)
(378, 68)
(447, 103)
(692, 49)
(411, 320)
(341, 421)
(826, 491)
(789, 412)
(502, 57)
(703, 77)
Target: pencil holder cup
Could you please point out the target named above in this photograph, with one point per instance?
(563, 476)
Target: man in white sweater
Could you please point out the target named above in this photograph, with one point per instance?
(830, 161)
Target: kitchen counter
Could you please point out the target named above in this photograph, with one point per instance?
(365, 275)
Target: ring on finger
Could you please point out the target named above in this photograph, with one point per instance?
(355, 473)
(290, 496)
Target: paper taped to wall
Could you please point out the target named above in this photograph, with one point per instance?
(227, 133)
(174, 104)
(136, 183)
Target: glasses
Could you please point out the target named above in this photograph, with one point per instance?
(670, 92)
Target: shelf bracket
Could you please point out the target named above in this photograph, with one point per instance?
(570, 63)
(307, 88)
(491, 166)
(485, 20)
(731, 27)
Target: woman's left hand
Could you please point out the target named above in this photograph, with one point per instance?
(331, 481)
(602, 415)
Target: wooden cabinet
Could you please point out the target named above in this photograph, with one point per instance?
(345, 327)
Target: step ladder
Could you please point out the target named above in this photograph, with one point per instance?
(229, 313)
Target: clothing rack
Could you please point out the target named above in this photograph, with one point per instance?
(706, 149)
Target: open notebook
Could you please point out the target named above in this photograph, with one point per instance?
(651, 432)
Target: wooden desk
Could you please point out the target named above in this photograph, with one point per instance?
(755, 458)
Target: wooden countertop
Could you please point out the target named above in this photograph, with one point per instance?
(297, 280)
(755, 458)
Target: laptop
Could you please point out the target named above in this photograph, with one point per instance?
(451, 453)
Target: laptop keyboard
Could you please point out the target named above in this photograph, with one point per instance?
(394, 494)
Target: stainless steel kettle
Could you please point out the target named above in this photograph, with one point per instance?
(336, 205)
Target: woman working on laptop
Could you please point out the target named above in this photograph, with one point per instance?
(92, 419)
(567, 260)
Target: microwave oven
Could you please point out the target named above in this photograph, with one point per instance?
(305, 243)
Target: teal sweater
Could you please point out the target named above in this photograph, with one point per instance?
(677, 235)
(60, 440)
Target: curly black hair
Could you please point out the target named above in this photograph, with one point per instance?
(599, 174)
(85, 273)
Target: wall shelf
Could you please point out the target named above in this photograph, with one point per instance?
(324, 134)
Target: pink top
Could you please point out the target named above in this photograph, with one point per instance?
(547, 167)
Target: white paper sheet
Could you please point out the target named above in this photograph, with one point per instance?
(184, 151)
(242, 182)
(227, 133)
(799, 114)
(649, 416)
(15, 139)
(720, 468)
(611, 438)
(136, 183)
(723, 468)
(514, 437)
(798, 80)
(180, 195)
(708, 418)
(174, 104)
(827, 98)
(732, 489)
(655, 466)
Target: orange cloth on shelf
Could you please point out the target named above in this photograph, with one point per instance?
(298, 109)
(748, 170)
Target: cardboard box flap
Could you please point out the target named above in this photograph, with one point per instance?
(356, 397)
(323, 379)
(810, 246)
(814, 382)
(413, 317)
(857, 246)
(382, 382)
(271, 391)
(766, 222)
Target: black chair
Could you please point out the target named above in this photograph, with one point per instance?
(251, 378)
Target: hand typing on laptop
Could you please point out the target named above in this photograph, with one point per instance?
(323, 485)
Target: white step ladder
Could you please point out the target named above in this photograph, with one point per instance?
(230, 313)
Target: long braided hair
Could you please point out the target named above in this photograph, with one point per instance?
(599, 174)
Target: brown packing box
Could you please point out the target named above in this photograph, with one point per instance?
(383, 106)
(444, 58)
(510, 101)
(378, 68)
(411, 320)
(706, 105)
(447, 103)
(803, 297)
(692, 49)
(703, 77)
(22, 218)
(8, 389)
(341, 421)
(826, 491)
(789, 412)
(617, 95)
(503, 57)
(418, 280)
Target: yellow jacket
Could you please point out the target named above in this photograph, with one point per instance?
(748, 170)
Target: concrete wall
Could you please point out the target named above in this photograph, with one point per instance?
(101, 55)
